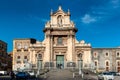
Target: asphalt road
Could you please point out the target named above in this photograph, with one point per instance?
(8, 78)
(60, 75)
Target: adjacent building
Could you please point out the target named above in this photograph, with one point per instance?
(3, 54)
(60, 48)
(106, 59)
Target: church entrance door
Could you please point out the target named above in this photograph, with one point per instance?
(60, 61)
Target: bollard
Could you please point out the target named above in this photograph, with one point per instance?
(82, 75)
(73, 75)
(45, 75)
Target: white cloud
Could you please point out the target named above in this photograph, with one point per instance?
(115, 3)
(88, 19)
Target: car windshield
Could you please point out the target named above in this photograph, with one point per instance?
(21, 72)
(107, 73)
(30, 71)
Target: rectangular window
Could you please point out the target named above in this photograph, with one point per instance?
(95, 63)
(107, 68)
(18, 62)
(18, 50)
(18, 57)
(25, 57)
(0, 46)
(118, 63)
(59, 40)
(95, 55)
(25, 50)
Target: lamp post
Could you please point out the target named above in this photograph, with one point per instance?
(37, 66)
(39, 63)
(80, 63)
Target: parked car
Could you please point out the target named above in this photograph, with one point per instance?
(31, 73)
(113, 73)
(22, 75)
(118, 73)
(3, 73)
(105, 76)
(15, 72)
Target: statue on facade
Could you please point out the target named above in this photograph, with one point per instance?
(59, 19)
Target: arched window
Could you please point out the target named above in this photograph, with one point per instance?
(107, 66)
(95, 54)
(106, 54)
(118, 66)
(95, 63)
(40, 56)
(107, 63)
(80, 55)
(25, 46)
(19, 45)
(118, 54)
(118, 63)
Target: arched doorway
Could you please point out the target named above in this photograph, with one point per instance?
(39, 61)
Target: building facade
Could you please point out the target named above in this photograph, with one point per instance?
(106, 59)
(3, 54)
(3, 48)
(59, 48)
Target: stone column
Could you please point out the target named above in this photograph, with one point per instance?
(70, 48)
(51, 48)
(47, 49)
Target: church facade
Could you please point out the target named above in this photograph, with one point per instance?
(61, 49)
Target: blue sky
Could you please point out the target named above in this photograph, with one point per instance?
(98, 21)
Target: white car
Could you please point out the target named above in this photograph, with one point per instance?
(3, 72)
(118, 73)
(31, 73)
(106, 76)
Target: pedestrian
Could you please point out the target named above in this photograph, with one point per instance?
(60, 66)
(12, 75)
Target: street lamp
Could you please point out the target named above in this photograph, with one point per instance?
(39, 63)
(80, 63)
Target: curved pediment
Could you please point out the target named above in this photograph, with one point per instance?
(59, 19)
(60, 12)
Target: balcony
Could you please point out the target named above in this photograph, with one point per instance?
(60, 45)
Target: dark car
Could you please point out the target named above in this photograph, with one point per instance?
(113, 73)
(22, 75)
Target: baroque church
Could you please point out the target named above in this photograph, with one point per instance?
(61, 49)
